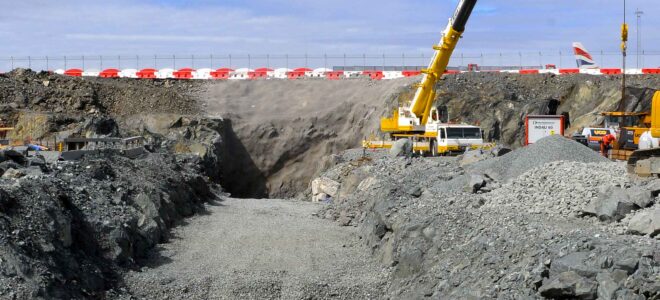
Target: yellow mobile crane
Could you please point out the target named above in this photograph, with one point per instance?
(419, 120)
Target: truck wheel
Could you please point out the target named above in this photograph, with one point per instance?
(434, 148)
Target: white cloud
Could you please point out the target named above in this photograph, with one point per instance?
(95, 27)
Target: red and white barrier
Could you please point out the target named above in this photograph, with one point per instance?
(322, 73)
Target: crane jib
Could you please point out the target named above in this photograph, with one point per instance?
(463, 12)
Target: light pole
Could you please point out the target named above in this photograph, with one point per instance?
(639, 14)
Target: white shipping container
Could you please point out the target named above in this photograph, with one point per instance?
(538, 127)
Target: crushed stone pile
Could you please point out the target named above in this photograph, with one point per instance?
(526, 237)
(549, 149)
(558, 188)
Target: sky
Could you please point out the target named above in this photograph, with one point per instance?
(519, 29)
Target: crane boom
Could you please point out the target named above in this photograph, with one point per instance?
(421, 104)
(418, 120)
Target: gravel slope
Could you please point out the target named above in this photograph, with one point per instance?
(260, 249)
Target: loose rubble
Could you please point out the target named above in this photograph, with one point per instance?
(517, 230)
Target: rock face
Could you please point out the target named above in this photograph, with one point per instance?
(500, 102)
(67, 233)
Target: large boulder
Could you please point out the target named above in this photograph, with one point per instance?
(578, 262)
(614, 202)
(645, 222)
(402, 147)
(569, 285)
(475, 183)
(324, 188)
(610, 283)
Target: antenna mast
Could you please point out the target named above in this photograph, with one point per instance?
(624, 47)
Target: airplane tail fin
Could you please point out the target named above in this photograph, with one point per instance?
(583, 58)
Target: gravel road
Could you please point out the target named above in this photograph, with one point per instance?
(260, 249)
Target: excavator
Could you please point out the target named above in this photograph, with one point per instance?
(645, 161)
(419, 120)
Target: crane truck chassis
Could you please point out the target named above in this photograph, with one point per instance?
(418, 120)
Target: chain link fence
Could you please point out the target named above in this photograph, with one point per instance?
(359, 62)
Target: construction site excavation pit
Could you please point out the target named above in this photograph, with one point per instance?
(219, 206)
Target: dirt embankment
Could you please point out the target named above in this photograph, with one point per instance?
(287, 127)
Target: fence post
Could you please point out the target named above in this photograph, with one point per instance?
(29, 63)
(119, 62)
(249, 61)
(174, 61)
(101, 62)
(192, 60)
(344, 61)
(65, 63)
(520, 59)
(230, 62)
(325, 61)
(47, 66)
(211, 61)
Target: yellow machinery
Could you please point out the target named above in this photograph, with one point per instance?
(419, 120)
(646, 160)
(630, 126)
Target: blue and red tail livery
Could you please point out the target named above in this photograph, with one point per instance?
(583, 58)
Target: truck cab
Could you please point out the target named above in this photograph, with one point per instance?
(458, 138)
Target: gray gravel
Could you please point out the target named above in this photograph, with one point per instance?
(561, 188)
(549, 149)
(509, 240)
(260, 249)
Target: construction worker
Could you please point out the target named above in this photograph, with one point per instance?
(606, 143)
